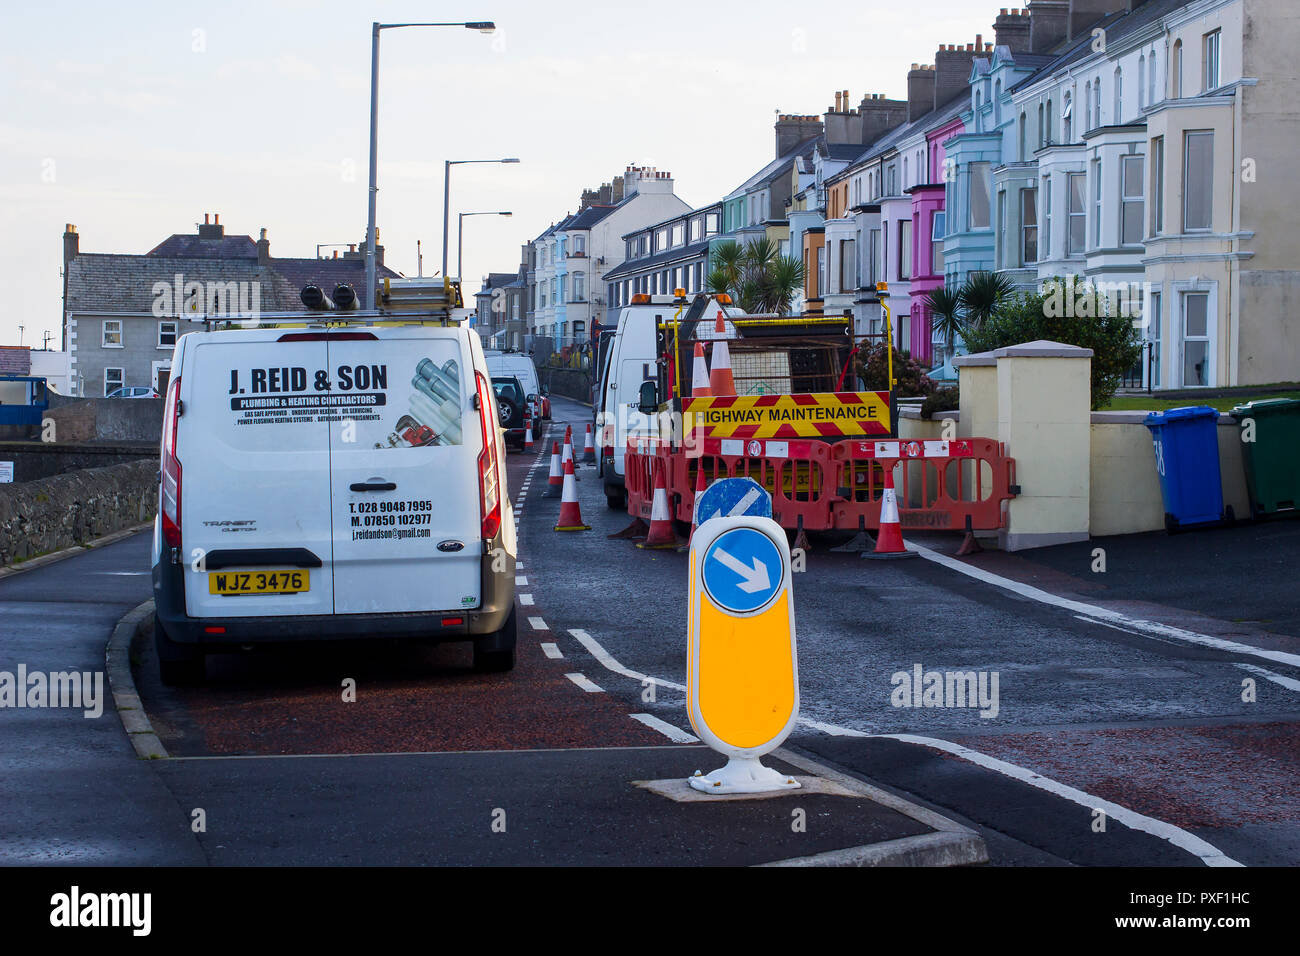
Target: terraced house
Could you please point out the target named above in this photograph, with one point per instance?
(1141, 157)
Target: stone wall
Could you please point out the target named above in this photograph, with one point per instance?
(64, 510)
(108, 419)
(34, 460)
(570, 382)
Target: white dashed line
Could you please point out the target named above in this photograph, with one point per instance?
(674, 734)
(519, 578)
(526, 600)
(552, 651)
(585, 684)
(538, 624)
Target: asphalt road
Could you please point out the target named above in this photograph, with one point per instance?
(1158, 726)
(1109, 746)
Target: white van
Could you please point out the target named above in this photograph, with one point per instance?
(520, 366)
(324, 483)
(632, 358)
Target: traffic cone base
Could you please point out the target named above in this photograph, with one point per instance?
(570, 514)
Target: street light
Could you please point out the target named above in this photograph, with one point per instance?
(482, 26)
(460, 238)
(446, 200)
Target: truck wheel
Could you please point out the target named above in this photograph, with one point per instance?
(616, 498)
(178, 664)
(489, 656)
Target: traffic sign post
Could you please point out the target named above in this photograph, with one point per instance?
(742, 682)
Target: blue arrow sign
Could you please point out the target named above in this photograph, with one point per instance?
(743, 569)
(733, 497)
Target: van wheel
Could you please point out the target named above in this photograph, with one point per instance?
(178, 664)
(616, 498)
(495, 654)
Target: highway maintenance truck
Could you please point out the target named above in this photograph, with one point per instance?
(779, 399)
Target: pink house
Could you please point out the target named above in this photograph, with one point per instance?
(928, 230)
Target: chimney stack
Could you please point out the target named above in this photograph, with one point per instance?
(1085, 14)
(920, 90)
(791, 130)
(952, 68)
(1011, 30)
(213, 229)
(263, 250)
(1049, 24)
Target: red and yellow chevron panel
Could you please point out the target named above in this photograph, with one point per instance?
(814, 415)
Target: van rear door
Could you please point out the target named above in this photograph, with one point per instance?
(404, 447)
(255, 487)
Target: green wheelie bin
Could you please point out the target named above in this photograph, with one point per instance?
(1270, 432)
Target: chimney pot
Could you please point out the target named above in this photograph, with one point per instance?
(205, 219)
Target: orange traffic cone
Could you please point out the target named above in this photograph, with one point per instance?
(528, 436)
(555, 483)
(570, 514)
(889, 538)
(589, 448)
(721, 381)
(661, 534)
(700, 374)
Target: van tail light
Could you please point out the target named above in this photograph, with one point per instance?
(489, 472)
(171, 468)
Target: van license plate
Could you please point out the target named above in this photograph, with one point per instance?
(257, 582)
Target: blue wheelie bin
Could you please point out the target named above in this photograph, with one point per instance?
(1186, 442)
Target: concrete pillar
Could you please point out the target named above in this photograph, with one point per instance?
(1044, 417)
(977, 383)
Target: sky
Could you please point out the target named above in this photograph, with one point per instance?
(133, 119)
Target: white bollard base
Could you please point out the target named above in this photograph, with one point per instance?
(742, 775)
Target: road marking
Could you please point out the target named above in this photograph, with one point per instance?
(674, 734)
(1152, 628)
(538, 624)
(603, 656)
(552, 651)
(1286, 682)
(585, 684)
(1208, 853)
(520, 578)
(526, 600)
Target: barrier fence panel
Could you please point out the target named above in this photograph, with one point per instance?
(836, 485)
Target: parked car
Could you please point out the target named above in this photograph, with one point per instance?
(521, 367)
(331, 483)
(134, 391)
(513, 410)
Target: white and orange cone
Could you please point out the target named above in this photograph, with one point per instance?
(555, 483)
(566, 450)
(721, 381)
(889, 538)
(700, 374)
(661, 533)
(589, 448)
(570, 514)
(528, 436)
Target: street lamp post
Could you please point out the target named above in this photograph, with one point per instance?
(483, 26)
(446, 201)
(460, 238)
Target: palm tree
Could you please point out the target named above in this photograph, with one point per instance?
(756, 276)
(945, 314)
(785, 276)
(981, 295)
